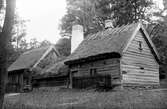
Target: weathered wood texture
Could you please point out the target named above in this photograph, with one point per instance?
(15, 82)
(109, 67)
(18, 80)
(51, 81)
(92, 81)
(139, 66)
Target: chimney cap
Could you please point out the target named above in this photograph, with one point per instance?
(65, 34)
(109, 23)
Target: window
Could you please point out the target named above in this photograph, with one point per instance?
(93, 72)
(140, 45)
(74, 73)
(124, 72)
(142, 69)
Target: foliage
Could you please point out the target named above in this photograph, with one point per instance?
(92, 13)
(19, 31)
(45, 43)
(157, 30)
(64, 46)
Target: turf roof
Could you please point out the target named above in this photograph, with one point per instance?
(28, 59)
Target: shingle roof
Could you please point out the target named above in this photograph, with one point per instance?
(28, 59)
(107, 41)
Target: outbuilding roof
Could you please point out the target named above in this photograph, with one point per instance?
(57, 69)
(30, 58)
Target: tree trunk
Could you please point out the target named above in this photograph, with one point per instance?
(5, 36)
(2, 73)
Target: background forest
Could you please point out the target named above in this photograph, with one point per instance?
(92, 15)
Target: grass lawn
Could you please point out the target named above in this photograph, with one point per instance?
(80, 99)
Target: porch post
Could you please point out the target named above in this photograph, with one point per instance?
(71, 82)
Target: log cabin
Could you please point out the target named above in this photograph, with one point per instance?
(29, 64)
(40, 67)
(121, 56)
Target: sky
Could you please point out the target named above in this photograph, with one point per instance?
(44, 17)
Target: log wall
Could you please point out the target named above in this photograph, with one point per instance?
(104, 67)
(139, 66)
(15, 82)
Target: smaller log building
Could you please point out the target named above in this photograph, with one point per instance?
(20, 73)
(55, 75)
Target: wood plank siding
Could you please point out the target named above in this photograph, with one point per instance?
(106, 67)
(15, 82)
(138, 63)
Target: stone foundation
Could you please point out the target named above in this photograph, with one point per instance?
(140, 87)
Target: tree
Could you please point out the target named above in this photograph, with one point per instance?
(157, 30)
(92, 13)
(19, 31)
(18, 43)
(34, 43)
(5, 36)
(44, 43)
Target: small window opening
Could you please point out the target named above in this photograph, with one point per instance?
(116, 78)
(104, 62)
(74, 73)
(142, 68)
(140, 46)
(124, 72)
(93, 72)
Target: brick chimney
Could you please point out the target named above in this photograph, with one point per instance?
(77, 36)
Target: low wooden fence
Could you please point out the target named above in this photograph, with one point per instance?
(92, 81)
(49, 82)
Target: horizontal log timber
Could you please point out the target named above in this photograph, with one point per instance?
(140, 59)
(140, 72)
(100, 66)
(136, 45)
(143, 51)
(140, 82)
(144, 75)
(128, 52)
(132, 67)
(144, 78)
(144, 65)
(136, 78)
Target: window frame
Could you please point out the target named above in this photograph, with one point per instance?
(140, 45)
(93, 71)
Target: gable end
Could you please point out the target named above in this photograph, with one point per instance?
(50, 49)
(141, 29)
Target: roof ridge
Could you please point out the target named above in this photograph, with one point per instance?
(35, 49)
